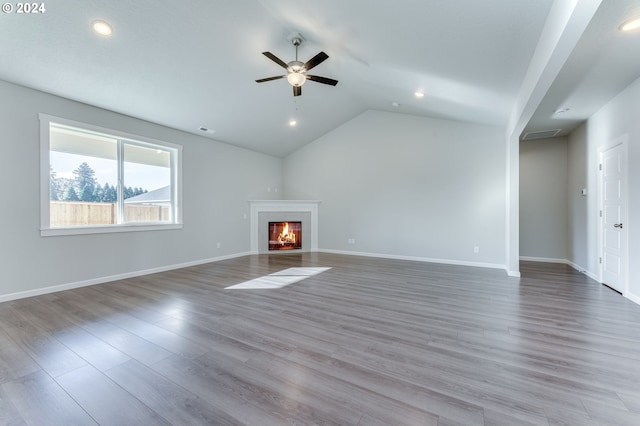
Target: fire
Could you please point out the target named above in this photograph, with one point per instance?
(286, 236)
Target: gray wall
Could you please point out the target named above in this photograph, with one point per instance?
(578, 178)
(217, 181)
(543, 199)
(618, 119)
(406, 186)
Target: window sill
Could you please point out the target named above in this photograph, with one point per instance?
(83, 230)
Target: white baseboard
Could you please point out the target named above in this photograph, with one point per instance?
(102, 280)
(416, 259)
(543, 259)
(563, 261)
(633, 298)
(583, 270)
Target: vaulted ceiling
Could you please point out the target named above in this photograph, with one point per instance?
(193, 64)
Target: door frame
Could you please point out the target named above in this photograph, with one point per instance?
(623, 142)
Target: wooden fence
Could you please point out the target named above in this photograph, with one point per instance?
(78, 213)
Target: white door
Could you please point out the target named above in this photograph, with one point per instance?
(614, 208)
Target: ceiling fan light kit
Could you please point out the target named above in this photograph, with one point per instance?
(296, 70)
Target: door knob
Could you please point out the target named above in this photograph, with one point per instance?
(618, 225)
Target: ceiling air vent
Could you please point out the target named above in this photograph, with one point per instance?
(206, 130)
(544, 134)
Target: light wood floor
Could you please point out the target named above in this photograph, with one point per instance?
(369, 342)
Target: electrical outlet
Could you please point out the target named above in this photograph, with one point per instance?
(218, 245)
(476, 249)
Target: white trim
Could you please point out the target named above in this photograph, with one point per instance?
(562, 261)
(543, 259)
(307, 206)
(633, 297)
(584, 271)
(84, 230)
(621, 141)
(176, 180)
(103, 280)
(104, 130)
(416, 259)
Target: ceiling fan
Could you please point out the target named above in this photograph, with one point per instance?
(296, 70)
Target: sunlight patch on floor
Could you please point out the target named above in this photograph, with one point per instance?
(279, 279)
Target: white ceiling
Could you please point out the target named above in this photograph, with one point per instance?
(187, 64)
(604, 62)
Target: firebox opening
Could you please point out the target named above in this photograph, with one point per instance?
(285, 235)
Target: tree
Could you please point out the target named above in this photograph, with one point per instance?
(110, 194)
(98, 193)
(85, 179)
(62, 186)
(53, 185)
(128, 192)
(71, 195)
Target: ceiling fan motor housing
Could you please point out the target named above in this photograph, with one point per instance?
(296, 66)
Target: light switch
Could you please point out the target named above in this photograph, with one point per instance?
(584, 191)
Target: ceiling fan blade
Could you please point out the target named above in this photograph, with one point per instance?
(262, 80)
(275, 59)
(323, 80)
(319, 58)
(297, 90)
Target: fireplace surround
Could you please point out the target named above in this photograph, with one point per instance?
(265, 211)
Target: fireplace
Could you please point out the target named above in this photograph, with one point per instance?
(285, 236)
(302, 213)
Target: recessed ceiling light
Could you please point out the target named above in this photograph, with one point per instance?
(395, 104)
(292, 123)
(102, 28)
(631, 24)
(419, 94)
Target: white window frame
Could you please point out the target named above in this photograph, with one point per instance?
(45, 219)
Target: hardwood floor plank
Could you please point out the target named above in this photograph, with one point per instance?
(14, 361)
(174, 403)
(631, 399)
(553, 358)
(124, 341)
(368, 342)
(51, 355)
(434, 402)
(41, 401)
(473, 382)
(208, 386)
(99, 396)
(93, 350)
(9, 415)
(210, 338)
(339, 395)
(606, 414)
(128, 343)
(271, 396)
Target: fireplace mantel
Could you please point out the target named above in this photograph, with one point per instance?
(284, 206)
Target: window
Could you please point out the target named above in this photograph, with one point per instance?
(98, 180)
